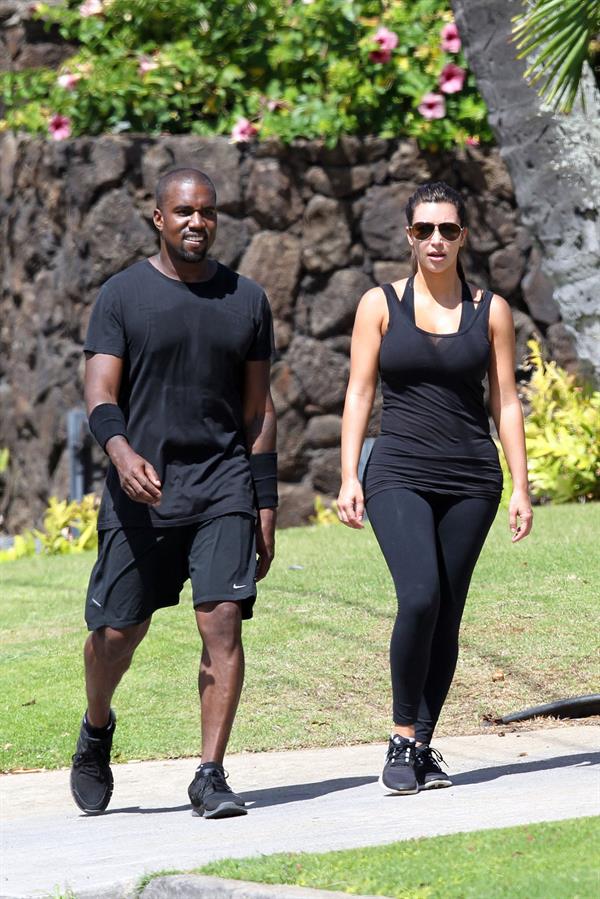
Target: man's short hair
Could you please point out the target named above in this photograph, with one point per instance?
(177, 176)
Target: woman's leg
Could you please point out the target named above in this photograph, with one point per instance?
(404, 525)
(462, 526)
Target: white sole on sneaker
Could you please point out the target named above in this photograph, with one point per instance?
(436, 785)
(389, 791)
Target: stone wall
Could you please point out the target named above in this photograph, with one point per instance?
(24, 41)
(316, 226)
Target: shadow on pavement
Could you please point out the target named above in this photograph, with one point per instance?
(304, 792)
(138, 810)
(481, 775)
(263, 798)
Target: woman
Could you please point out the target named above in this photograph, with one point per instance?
(433, 482)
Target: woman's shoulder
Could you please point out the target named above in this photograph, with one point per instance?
(372, 308)
(373, 298)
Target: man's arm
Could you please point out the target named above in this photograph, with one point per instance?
(138, 478)
(260, 426)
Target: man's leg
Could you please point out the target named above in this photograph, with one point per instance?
(220, 684)
(136, 572)
(221, 674)
(222, 566)
(107, 655)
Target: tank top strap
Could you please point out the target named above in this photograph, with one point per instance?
(407, 301)
(485, 304)
(403, 305)
(470, 311)
(392, 302)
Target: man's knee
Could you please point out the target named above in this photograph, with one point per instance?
(220, 623)
(117, 645)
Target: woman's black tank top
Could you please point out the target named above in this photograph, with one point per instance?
(435, 434)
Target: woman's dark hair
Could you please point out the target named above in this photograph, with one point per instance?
(437, 192)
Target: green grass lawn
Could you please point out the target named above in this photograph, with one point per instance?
(559, 860)
(317, 650)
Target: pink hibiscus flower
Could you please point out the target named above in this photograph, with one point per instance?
(452, 78)
(432, 106)
(146, 64)
(387, 41)
(68, 80)
(243, 131)
(450, 38)
(59, 127)
(91, 8)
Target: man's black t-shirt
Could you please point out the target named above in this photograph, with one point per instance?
(184, 347)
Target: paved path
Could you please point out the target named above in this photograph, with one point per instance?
(299, 801)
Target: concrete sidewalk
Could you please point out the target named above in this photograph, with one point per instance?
(305, 800)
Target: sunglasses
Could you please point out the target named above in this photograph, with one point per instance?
(424, 230)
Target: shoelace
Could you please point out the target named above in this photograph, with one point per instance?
(218, 780)
(91, 760)
(396, 752)
(431, 756)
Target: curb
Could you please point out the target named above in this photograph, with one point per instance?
(198, 886)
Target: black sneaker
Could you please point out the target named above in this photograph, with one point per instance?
(427, 766)
(91, 777)
(398, 775)
(212, 797)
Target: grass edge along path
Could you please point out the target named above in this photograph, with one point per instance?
(536, 861)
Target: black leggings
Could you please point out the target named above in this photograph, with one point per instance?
(431, 544)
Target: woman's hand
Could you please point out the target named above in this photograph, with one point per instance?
(351, 504)
(520, 515)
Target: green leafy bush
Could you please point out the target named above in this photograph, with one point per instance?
(286, 68)
(562, 433)
(68, 528)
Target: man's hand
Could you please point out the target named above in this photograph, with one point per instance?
(138, 478)
(265, 541)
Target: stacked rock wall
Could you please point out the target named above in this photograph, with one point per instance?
(316, 226)
(25, 43)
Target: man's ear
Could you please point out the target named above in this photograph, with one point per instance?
(157, 218)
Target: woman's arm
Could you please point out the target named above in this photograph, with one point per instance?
(508, 415)
(370, 323)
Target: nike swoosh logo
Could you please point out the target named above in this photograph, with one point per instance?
(238, 586)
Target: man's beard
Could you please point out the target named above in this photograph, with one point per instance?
(198, 255)
(193, 256)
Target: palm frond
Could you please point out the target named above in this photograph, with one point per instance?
(558, 34)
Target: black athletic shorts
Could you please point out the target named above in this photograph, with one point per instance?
(139, 570)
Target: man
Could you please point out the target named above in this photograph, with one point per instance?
(177, 390)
